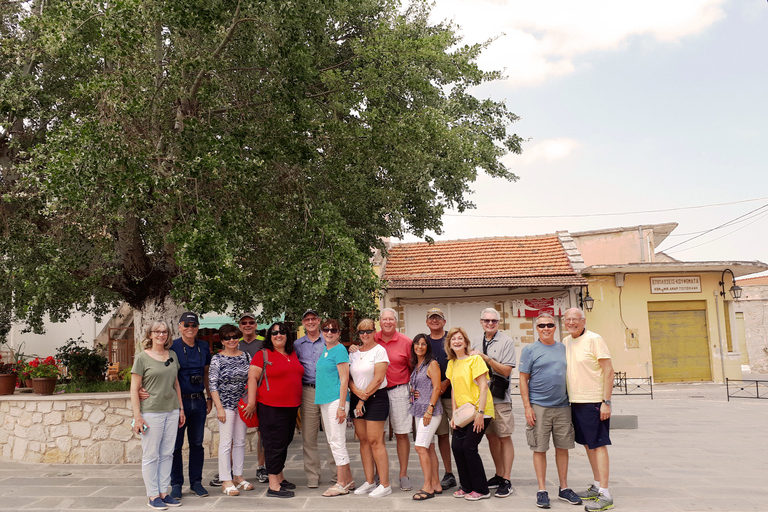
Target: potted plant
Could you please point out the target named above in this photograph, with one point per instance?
(7, 377)
(44, 374)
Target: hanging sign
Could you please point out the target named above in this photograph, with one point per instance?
(531, 308)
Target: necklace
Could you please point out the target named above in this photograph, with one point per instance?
(284, 355)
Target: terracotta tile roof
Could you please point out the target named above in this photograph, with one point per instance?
(481, 263)
(752, 281)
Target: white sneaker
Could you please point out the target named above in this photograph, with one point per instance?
(365, 488)
(381, 491)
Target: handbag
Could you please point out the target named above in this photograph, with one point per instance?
(498, 384)
(253, 421)
(464, 415)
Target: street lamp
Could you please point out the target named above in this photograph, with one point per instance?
(735, 289)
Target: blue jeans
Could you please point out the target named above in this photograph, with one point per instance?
(157, 448)
(195, 412)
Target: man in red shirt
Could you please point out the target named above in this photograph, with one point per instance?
(398, 347)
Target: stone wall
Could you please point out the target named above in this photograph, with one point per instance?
(80, 428)
(754, 305)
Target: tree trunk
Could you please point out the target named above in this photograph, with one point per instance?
(153, 310)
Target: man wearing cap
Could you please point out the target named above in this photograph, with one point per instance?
(398, 347)
(194, 360)
(436, 337)
(309, 348)
(498, 351)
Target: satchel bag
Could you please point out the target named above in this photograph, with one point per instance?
(253, 421)
(499, 384)
(464, 415)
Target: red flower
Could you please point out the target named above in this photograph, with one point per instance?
(35, 362)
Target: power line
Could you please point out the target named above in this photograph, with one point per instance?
(759, 217)
(572, 215)
(718, 227)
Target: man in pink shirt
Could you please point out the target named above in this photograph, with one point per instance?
(398, 347)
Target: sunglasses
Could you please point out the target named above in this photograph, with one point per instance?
(248, 323)
(486, 321)
(187, 325)
(228, 338)
(332, 331)
(284, 332)
(365, 331)
(169, 361)
(160, 333)
(545, 326)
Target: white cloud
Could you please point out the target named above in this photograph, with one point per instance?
(544, 151)
(542, 38)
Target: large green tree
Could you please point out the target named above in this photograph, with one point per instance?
(202, 153)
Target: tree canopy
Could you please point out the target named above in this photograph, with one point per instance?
(222, 152)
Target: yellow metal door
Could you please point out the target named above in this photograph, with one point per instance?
(679, 345)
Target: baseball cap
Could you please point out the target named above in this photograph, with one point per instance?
(436, 311)
(189, 317)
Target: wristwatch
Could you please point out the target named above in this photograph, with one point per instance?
(481, 411)
(607, 402)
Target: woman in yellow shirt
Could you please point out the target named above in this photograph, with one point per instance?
(469, 383)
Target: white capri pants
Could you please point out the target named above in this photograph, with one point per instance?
(335, 432)
(425, 435)
(231, 439)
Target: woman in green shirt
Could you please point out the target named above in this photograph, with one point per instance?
(158, 418)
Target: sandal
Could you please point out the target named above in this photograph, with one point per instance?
(230, 491)
(335, 490)
(245, 485)
(350, 486)
(423, 495)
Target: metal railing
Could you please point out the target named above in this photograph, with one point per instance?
(632, 385)
(754, 388)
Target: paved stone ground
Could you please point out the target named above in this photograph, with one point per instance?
(692, 451)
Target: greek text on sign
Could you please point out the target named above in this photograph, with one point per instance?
(682, 284)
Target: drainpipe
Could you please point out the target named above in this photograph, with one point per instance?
(642, 249)
(719, 335)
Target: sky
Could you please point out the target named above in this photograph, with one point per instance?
(626, 107)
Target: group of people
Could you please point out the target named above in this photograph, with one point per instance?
(450, 387)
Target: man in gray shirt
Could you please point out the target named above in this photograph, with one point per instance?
(498, 351)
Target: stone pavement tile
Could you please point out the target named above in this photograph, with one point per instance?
(8, 503)
(45, 490)
(734, 504)
(123, 491)
(35, 482)
(109, 482)
(81, 503)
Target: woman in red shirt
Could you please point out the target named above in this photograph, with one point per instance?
(276, 402)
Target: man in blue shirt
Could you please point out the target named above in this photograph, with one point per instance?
(436, 337)
(194, 359)
(544, 392)
(309, 348)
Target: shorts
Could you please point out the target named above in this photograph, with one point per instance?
(590, 430)
(376, 407)
(503, 424)
(550, 421)
(445, 422)
(425, 435)
(399, 409)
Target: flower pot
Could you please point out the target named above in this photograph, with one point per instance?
(7, 383)
(27, 383)
(44, 386)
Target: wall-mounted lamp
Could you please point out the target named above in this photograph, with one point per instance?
(735, 289)
(586, 303)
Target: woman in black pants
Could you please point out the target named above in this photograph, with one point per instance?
(469, 384)
(279, 398)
